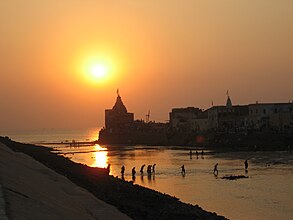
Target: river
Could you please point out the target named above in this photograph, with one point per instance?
(267, 193)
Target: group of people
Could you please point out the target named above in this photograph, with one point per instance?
(216, 171)
(196, 153)
(150, 170)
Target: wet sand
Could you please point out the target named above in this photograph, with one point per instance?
(135, 201)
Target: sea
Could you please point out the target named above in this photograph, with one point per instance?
(267, 193)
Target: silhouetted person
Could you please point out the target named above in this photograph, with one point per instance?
(246, 165)
(149, 169)
(216, 169)
(154, 168)
(202, 153)
(141, 169)
(108, 168)
(196, 154)
(133, 172)
(190, 154)
(122, 171)
(183, 169)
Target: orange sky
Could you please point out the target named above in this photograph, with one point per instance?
(160, 54)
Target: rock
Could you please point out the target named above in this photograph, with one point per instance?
(234, 177)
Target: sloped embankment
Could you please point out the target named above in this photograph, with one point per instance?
(135, 201)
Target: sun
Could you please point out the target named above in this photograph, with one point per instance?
(98, 71)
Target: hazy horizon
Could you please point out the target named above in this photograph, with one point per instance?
(161, 55)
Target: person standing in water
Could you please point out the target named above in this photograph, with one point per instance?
(183, 169)
(122, 171)
(246, 165)
(149, 170)
(154, 168)
(141, 169)
(216, 169)
(133, 172)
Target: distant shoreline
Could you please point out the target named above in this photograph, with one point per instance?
(135, 201)
(220, 141)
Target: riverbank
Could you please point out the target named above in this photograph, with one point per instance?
(33, 191)
(135, 201)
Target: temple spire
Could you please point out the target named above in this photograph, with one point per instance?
(228, 102)
(119, 107)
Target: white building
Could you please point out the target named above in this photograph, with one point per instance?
(188, 119)
(270, 116)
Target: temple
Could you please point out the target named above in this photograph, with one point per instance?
(121, 128)
(118, 117)
(260, 123)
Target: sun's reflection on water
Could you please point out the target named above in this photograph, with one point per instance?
(100, 156)
(94, 135)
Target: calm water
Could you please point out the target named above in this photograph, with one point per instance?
(266, 194)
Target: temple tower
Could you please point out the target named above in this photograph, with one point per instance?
(118, 117)
(228, 102)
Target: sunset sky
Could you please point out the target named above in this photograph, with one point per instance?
(160, 54)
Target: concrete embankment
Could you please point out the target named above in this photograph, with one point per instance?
(3, 215)
(33, 191)
(135, 201)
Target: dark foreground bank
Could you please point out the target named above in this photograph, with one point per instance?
(135, 201)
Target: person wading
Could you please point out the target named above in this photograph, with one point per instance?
(216, 169)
